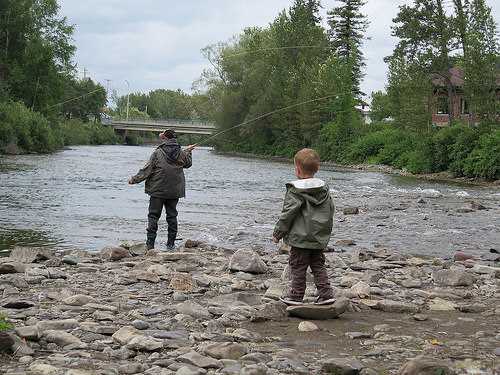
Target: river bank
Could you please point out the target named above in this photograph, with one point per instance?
(445, 177)
(209, 310)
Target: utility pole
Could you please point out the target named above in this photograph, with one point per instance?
(107, 89)
(128, 97)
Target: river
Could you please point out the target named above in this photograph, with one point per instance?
(79, 198)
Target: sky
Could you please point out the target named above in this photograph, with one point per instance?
(156, 43)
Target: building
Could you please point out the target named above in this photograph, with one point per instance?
(441, 113)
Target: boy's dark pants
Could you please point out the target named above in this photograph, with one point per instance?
(299, 261)
(155, 208)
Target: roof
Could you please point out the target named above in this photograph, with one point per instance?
(456, 77)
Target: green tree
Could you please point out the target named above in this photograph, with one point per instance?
(347, 31)
(380, 106)
(85, 100)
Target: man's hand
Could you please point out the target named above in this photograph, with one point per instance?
(130, 181)
(190, 148)
(276, 240)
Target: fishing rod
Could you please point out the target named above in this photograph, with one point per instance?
(76, 98)
(259, 118)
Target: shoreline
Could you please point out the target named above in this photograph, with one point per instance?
(209, 310)
(444, 177)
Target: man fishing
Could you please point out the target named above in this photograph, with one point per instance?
(165, 184)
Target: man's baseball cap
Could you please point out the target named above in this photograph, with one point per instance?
(169, 134)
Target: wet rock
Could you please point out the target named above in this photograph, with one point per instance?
(453, 277)
(140, 324)
(62, 338)
(31, 254)
(143, 343)
(198, 360)
(350, 210)
(420, 317)
(193, 309)
(270, 311)
(57, 325)
(342, 366)
(17, 304)
(225, 350)
(422, 366)
(247, 261)
(438, 304)
(114, 254)
(125, 334)
(70, 260)
(361, 289)
(477, 206)
(43, 369)
(316, 312)
(396, 306)
(191, 244)
(78, 300)
(182, 282)
(241, 334)
(460, 256)
(345, 243)
(11, 267)
(307, 327)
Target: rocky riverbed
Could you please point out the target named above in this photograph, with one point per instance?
(210, 310)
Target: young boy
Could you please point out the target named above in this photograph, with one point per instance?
(305, 224)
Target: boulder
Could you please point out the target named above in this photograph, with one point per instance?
(198, 360)
(422, 366)
(361, 289)
(182, 282)
(307, 327)
(145, 344)
(125, 334)
(275, 310)
(12, 267)
(247, 261)
(62, 338)
(342, 366)
(193, 309)
(114, 254)
(225, 350)
(318, 312)
(31, 254)
(453, 277)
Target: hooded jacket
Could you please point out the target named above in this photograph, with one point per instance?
(164, 172)
(306, 220)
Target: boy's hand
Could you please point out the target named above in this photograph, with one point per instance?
(190, 148)
(276, 240)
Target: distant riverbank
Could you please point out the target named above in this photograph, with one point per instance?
(446, 177)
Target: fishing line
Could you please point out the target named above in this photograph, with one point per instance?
(263, 116)
(78, 97)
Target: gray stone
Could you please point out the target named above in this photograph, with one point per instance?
(125, 334)
(182, 282)
(198, 360)
(317, 312)
(453, 277)
(70, 260)
(358, 335)
(307, 327)
(342, 366)
(422, 366)
(140, 324)
(225, 350)
(43, 369)
(361, 289)
(114, 253)
(28, 333)
(11, 267)
(62, 338)
(350, 210)
(30, 254)
(396, 306)
(247, 261)
(260, 369)
(78, 300)
(143, 343)
(193, 309)
(275, 310)
(57, 325)
(190, 370)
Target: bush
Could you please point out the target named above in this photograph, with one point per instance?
(4, 324)
(464, 144)
(484, 160)
(369, 146)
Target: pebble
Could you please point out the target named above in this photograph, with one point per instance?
(307, 327)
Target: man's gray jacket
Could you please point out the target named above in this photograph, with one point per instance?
(164, 172)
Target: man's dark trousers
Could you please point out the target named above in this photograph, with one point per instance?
(155, 209)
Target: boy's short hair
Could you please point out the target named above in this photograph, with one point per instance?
(308, 160)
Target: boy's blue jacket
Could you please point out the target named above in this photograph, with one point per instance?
(306, 220)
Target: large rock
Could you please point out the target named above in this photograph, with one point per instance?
(342, 366)
(31, 254)
(317, 312)
(453, 277)
(114, 254)
(44, 369)
(225, 350)
(62, 338)
(57, 325)
(270, 311)
(182, 282)
(198, 360)
(78, 300)
(361, 289)
(193, 309)
(125, 334)
(12, 267)
(307, 327)
(422, 366)
(395, 306)
(247, 261)
(145, 344)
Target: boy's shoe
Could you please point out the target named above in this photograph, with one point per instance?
(291, 302)
(324, 301)
(170, 247)
(150, 246)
